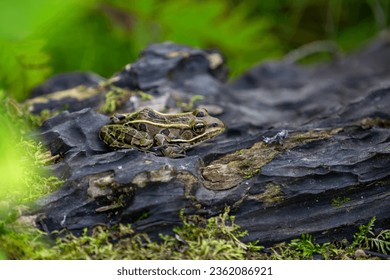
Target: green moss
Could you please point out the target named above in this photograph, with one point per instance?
(144, 95)
(38, 119)
(198, 238)
(22, 177)
(338, 201)
(114, 98)
(22, 242)
(305, 247)
(246, 163)
(22, 119)
(364, 239)
(214, 238)
(190, 105)
(247, 174)
(36, 181)
(217, 238)
(272, 195)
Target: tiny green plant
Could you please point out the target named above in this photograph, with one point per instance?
(308, 247)
(360, 237)
(114, 98)
(381, 242)
(338, 201)
(144, 96)
(366, 238)
(189, 106)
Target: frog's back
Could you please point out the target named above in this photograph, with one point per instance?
(163, 119)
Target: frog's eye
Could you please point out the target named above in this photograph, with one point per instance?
(200, 113)
(199, 127)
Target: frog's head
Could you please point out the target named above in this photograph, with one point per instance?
(204, 126)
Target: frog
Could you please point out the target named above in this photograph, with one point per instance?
(162, 134)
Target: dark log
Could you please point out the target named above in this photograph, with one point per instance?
(330, 174)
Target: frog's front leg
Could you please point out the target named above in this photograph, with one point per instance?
(167, 149)
(120, 137)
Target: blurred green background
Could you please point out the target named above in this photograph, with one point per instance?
(39, 38)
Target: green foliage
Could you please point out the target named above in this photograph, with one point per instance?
(104, 35)
(360, 237)
(240, 38)
(21, 159)
(214, 238)
(22, 121)
(23, 243)
(24, 62)
(307, 248)
(38, 182)
(11, 168)
(381, 242)
(349, 22)
(23, 65)
(366, 238)
(217, 238)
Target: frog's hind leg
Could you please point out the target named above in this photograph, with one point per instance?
(119, 137)
(108, 135)
(166, 149)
